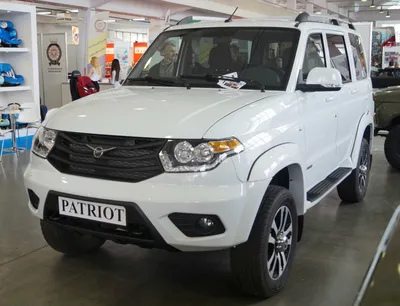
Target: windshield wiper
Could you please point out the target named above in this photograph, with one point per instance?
(152, 80)
(215, 78)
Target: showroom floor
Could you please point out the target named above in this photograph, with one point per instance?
(338, 244)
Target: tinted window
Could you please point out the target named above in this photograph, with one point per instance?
(264, 55)
(358, 56)
(339, 55)
(314, 56)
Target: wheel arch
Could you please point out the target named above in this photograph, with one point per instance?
(282, 166)
(365, 130)
(395, 121)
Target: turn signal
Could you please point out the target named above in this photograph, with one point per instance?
(222, 146)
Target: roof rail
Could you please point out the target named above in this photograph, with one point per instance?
(306, 17)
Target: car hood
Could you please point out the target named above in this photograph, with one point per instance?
(157, 112)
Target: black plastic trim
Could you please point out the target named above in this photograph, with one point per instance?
(134, 213)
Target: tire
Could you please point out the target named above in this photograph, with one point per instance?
(354, 187)
(392, 147)
(253, 261)
(69, 242)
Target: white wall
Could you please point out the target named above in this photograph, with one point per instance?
(56, 28)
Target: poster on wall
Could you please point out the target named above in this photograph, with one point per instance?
(381, 37)
(97, 42)
(54, 67)
(122, 53)
(390, 54)
(75, 35)
(139, 48)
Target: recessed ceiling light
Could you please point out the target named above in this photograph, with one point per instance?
(318, 13)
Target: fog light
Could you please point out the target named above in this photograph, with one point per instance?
(206, 223)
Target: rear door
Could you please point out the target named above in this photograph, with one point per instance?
(356, 94)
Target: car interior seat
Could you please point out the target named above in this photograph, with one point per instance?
(85, 86)
(220, 58)
(73, 85)
(8, 76)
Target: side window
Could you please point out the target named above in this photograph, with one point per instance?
(359, 57)
(339, 55)
(315, 54)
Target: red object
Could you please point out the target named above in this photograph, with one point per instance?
(391, 42)
(139, 48)
(85, 86)
(109, 59)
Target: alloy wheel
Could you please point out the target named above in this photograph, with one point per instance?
(279, 242)
(363, 170)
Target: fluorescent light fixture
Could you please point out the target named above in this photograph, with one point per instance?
(138, 19)
(372, 4)
(74, 11)
(318, 13)
(110, 20)
(44, 13)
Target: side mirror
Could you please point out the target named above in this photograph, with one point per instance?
(322, 79)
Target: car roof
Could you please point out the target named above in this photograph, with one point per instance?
(272, 22)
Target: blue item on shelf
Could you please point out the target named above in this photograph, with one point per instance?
(4, 123)
(9, 76)
(8, 35)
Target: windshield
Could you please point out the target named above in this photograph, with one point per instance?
(262, 56)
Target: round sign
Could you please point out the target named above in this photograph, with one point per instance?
(100, 25)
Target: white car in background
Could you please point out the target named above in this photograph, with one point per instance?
(222, 137)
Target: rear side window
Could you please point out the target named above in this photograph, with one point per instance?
(358, 56)
(339, 55)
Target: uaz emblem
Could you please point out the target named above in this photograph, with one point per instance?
(99, 151)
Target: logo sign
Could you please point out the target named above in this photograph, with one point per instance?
(99, 151)
(54, 53)
(140, 50)
(100, 25)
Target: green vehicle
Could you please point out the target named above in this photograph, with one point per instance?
(387, 109)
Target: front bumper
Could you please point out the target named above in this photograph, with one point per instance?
(218, 192)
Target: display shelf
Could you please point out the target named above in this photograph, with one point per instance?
(14, 88)
(13, 50)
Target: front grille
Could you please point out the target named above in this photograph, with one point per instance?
(129, 160)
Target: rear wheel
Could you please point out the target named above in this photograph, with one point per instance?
(261, 265)
(354, 187)
(69, 242)
(392, 147)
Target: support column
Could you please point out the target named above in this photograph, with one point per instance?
(291, 4)
(310, 8)
(84, 21)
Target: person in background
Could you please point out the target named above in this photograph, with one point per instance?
(95, 72)
(115, 72)
(166, 67)
(238, 62)
(391, 64)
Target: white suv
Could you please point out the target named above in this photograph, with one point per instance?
(222, 136)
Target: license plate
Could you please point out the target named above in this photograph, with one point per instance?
(106, 213)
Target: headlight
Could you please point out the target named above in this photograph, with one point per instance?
(43, 142)
(197, 156)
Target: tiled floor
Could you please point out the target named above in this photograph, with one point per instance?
(338, 244)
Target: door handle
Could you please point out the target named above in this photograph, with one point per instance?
(329, 99)
(354, 91)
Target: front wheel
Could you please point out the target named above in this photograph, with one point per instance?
(261, 265)
(354, 187)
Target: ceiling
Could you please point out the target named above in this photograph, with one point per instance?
(145, 10)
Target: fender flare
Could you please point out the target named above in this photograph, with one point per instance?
(363, 123)
(274, 160)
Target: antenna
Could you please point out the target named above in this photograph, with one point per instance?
(233, 14)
